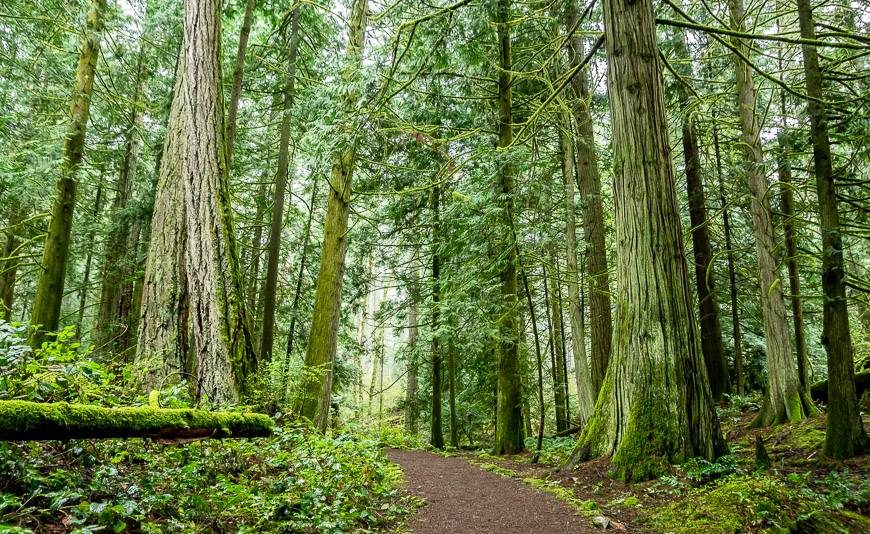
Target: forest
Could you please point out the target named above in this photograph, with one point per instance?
(435, 266)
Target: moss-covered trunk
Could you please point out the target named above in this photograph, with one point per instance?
(589, 184)
(315, 393)
(412, 384)
(270, 290)
(655, 406)
(509, 418)
(9, 266)
(845, 436)
(49, 288)
(785, 400)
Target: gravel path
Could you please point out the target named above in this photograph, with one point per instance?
(463, 499)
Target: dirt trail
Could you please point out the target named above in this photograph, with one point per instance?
(463, 499)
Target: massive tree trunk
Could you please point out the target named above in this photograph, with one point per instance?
(221, 340)
(238, 75)
(551, 299)
(509, 418)
(845, 436)
(162, 348)
(436, 431)
(589, 184)
(732, 270)
(655, 407)
(785, 400)
(705, 276)
(585, 389)
(271, 288)
(119, 264)
(316, 390)
(49, 289)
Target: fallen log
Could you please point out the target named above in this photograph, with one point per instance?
(24, 421)
(567, 432)
(819, 390)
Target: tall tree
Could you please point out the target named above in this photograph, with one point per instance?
(436, 431)
(589, 185)
(9, 265)
(785, 400)
(412, 362)
(316, 389)
(655, 407)
(557, 349)
(845, 436)
(270, 289)
(238, 77)
(509, 418)
(705, 276)
(585, 390)
(49, 289)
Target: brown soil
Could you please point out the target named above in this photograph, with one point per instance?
(463, 499)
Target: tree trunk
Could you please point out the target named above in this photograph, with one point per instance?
(436, 433)
(162, 347)
(271, 288)
(411, 350)
(238, 75)
(451, 391)
(540, 364)
(556, 349)
(221, 339)
(316, 391)
(732, 271)
(49, 289)
(361, 331)
(89, 256)
(22, 420)
(845, 436)
(253, 283)
(655, 407)
(9, 267)
(119, 266)
(589, 185)
(705, 276)
(785, 400)
(509, 417)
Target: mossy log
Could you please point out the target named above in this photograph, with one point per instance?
(22, 421)
(819, 390)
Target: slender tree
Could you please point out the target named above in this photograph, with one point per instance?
(270, 289)
(845, 436)
(315, 392)
(50, 287)
(238, 76)
(509, 419)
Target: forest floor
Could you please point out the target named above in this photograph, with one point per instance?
(461, 498)
(801, 492)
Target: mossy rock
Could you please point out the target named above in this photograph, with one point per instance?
(757, 504)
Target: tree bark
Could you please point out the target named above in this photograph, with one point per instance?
(589, 185)
(655, 407)
(785, 400)
(316, 390)
(49, 288)
(509, 418)
(845, 436)
(705, 276)
(9, 267)
(238, 75)
(271, 288)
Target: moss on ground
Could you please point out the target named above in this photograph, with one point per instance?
(752, 504)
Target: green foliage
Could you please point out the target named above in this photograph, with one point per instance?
(296, 481)
(702, 471)
(554, 451)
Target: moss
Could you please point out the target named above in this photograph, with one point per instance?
(563, 494)
(497, 469)
(752, 504)
(22, 420)
(647, 448)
